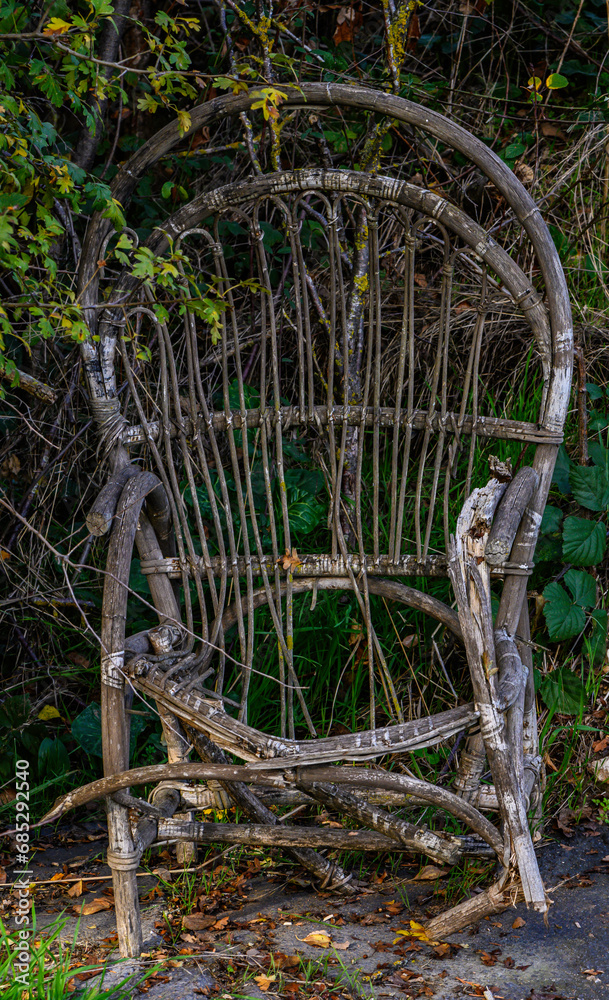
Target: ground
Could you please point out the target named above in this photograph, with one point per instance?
(246, 934)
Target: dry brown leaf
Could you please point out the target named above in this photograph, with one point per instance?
(7, 794)
(290, 560)
(221, 923)
(341, 945)
(420, 280)
(348, 21)
(58, 877)
(197, 922)
(317, 938)
(429, 872)
(77, 889)
(95, 906)
(2, 876)
(283, 961)
(553, 130)
(519, 922)
(601, 745)
(264, 981)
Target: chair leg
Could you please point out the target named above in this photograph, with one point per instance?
(123, 859)
(178, 750)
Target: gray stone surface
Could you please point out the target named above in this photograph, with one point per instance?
(554, 955)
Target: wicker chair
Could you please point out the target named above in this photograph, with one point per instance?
(333, 337)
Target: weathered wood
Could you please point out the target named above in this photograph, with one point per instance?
(471, 582)
(509, 515)
(354, 416)
(379, 779)
(252, 745)
(420, 840)
(512, 675)
(331, 875)
(352, 320)
(30, 384)
(203, 797)
(103, 509)
(493, 900)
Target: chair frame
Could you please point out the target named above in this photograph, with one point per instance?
(496, 533)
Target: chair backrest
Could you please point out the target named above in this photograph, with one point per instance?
(326, 385)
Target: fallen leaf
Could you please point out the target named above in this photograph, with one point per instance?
(49, 712)
(77, 889)
(394, 908)
(509, 962)
(519, 922)
(58, 876)
(420, 280)
(442, 949)
(341, 945)
(416, 931)
(429, 872)
(593, 972)
(283, 961)
(317, 938)
(221, 924)
(94, 907)
(289, 561)
(601, 744)
(264, 981)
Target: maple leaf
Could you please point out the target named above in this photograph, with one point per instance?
(56, 27)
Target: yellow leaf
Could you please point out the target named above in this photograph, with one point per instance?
(317, 938)
(264, 981)
(416, 931)
(48, 712)
(184, 121)
(534, 82)
(56, 27)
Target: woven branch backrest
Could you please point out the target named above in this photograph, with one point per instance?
(332, 377)
(319, 404)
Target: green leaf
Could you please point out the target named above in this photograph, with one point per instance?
(86, 730)
(53, 758)
(513, 150)
(584, 542)
(304, 512)
(550, 522)
(563, 618)
(590, 487)
(599, 454)
(562, 470)
(594, 391)
(563, 692)
(582, 586)
(555, 81)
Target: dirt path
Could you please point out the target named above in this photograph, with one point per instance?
(246, 918)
